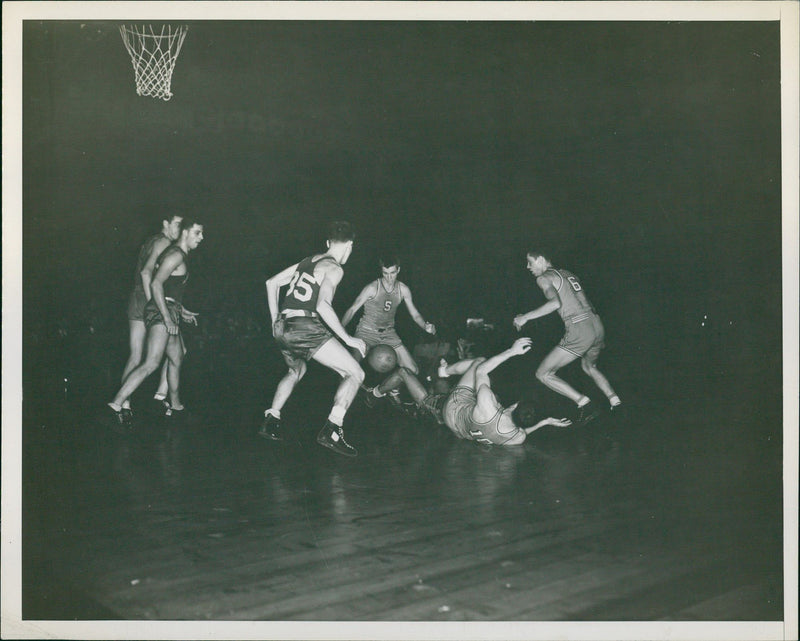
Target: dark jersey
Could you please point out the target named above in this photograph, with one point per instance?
(574, 304)
(304, 288)
(144, 252)
(174, 285)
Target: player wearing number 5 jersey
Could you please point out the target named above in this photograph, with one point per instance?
(306, 327)
(380, 300)
(583, 338)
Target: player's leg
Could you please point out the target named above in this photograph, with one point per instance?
(589, 365)
(546, 373)
(174, 360)
(163, 382)
(405, 359)
(459, 368)
(333, 355)
(136, 338)
(156, 343)
(402, 376)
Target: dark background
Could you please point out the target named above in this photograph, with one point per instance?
(645, 157)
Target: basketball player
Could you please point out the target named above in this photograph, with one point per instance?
(145, 265)
(471, 409)
(380, 300)
(307, 327)
(583, 338)
(162, 316)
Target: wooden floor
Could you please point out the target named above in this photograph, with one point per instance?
(670, 511)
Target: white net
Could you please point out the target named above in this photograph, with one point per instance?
(153, 55)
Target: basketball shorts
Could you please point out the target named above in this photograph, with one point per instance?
(585, 338)
(373, 336)
(300, 337)
(457, 410)
(153, 317)
(136, 304)
(434, 403)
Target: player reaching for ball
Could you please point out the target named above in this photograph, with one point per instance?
(307, 327)
(380, 300)
(471, 409)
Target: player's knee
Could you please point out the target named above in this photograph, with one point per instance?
(588, 367)
(298, 371)
(543, 374)
(357, 374)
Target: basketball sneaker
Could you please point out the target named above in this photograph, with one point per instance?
(127, 416)
(332, 437)
(587, 413)
(270, 428)
(369, 398)
(116, 420)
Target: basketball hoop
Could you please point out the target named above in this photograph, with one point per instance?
(153, 56)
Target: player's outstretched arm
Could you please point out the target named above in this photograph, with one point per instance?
(414, 312)
(331, 275)
(358, 303)
(558, 422)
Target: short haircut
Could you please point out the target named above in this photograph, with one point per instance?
(340, 231)
(187, 223)
(388, 260)
(524, 415)
(171, 217)
(534, 253)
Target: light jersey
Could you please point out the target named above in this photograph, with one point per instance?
(174, 285)
(303, 288)
(457, 413)
(380, 310)
(144, 252)
(574, 304)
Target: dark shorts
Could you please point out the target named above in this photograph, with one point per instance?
(299, 338)
(153, 317)
(434, 403)
(585, 339)
(136, 304)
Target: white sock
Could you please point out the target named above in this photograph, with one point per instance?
(159, 397)
(584, 401)
(115, 407)
(377, 393)
(126, 405)
(614, 400)
(337, 415)
(275, 413)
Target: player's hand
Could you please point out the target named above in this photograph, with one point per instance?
(521, 345)
(189, 317)
(357, 343)
(519, 321)
(560, 422)
(172, 328)
(430, 328)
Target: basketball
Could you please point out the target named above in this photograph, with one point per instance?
(382, 359)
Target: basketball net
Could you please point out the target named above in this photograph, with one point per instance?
(153, 56)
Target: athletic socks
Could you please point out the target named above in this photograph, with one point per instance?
(614, 401)
(337, 415)
(275, 413)
(584, 401)
(115, 407)
(160, 397)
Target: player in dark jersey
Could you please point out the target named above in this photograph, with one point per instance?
(381, 299)
(306, 327)
(471, 409)
(145, 266)
(584, 336)
(162, 316)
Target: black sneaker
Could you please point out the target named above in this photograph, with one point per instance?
(127, 416)
(587, 413)
(332, 437)
(270, 428)
(116, 420)
(369, 398)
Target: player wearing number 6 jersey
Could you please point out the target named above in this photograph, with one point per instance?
(307, 327)
(584, 336)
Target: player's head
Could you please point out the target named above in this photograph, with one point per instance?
(191, 232)
(171, 227)
(340, 239)
(524, 414)
(390, 267)
(537, 263)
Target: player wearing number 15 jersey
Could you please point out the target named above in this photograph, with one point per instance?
(306, 327)
(584, 336)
